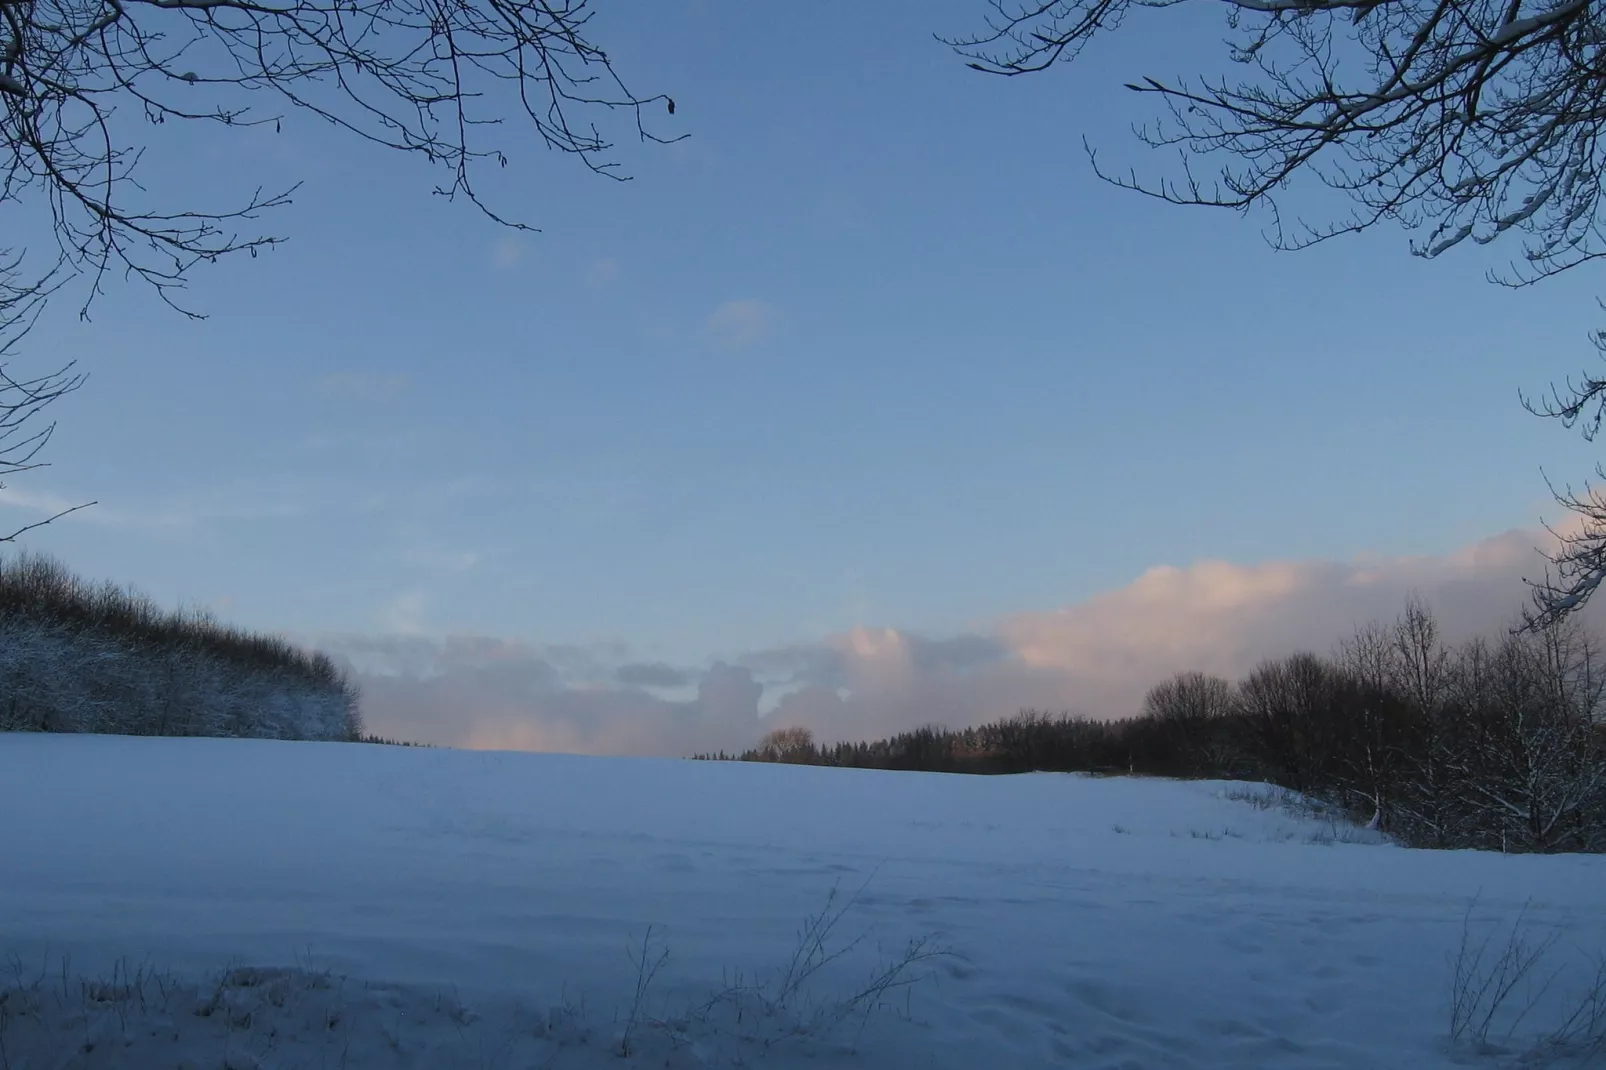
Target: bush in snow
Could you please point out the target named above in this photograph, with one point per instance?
(80, 657)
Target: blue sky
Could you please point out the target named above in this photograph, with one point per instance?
(871, 347)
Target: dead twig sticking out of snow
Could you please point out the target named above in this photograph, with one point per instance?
(1481, 986)
(648, 962)
(767, 1013)
(1485, 983)
(246, 1017)
(1582, 1034)
(810, 956)
(895, 975)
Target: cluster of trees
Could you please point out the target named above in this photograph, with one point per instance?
(1489, 745)
(80, 657)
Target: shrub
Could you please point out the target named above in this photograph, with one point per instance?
(82, 657)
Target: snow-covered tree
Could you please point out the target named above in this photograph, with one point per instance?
(1536, 759)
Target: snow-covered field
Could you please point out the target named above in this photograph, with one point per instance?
(261, 904)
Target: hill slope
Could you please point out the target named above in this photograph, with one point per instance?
(443, 908)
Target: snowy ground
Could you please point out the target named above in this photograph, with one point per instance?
(229, 904)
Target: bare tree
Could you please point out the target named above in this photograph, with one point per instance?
(1189, 705)
(1396, 732)
(792, 744)
(79, 79)
(1462, 120)
(1368, 656)
(1189, 696)
(1421, 661)
(1366, 661)
(1289, 704)
(1536, 761)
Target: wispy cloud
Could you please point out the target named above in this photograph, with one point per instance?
(440, 559)
(363, 386)
(404, 614)
(741, 324)
(43, 503)
(508, 252)
(173, 515)
(651, 674)
(416, 546)
(601, 273)
(1096, 657)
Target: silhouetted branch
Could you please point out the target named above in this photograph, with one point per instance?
(1464, 119)
(21, 402)
(1469, 118)
(422, 77)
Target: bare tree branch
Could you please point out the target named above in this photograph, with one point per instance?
(1466, 119)
(423, 77)
(47, 520)
(80, 80)
(21, 402)
(1462, 120)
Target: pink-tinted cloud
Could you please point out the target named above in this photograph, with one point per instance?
(1224, 618)
(1095, 658)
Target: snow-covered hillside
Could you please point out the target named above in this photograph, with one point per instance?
(382, 906)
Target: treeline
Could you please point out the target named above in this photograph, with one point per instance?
(1496, 745)
(82, 657)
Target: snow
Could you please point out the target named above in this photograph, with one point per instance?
(385, 906)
